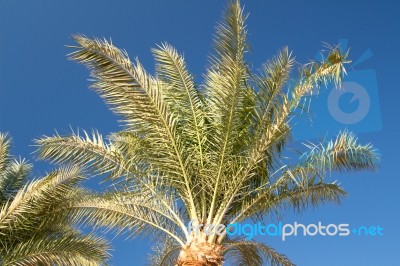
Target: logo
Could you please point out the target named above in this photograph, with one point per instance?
(359, 94)
(283, 231)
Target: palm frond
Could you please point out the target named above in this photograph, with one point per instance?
(136, 213)
(288, 194)
(341, 154)
(91, 152)
(224, 88)
(243, 253)
(5, 142)
(36, 198)
(315, 74)
(165, 253)
(12, 178)
(275, 132)
(138, 97)
(181, 91)
(118, 157)
(263, 132)
(36, 221)
(271, 84)
(68, 249)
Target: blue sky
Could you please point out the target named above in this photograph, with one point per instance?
(41, 91)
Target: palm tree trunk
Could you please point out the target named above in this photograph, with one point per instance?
(200, 253)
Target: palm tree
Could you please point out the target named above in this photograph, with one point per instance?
(213, 154)
(35, 220)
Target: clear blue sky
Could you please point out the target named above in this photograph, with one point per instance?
(41, 91)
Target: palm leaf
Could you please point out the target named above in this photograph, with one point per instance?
(137, 213)
(241, 253)
(225, 93)
(69, 249)
(138, 97)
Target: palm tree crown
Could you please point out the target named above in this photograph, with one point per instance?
(212, 153)
(35, 217)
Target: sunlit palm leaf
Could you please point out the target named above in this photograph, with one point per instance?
(69, 249)
(242, 253)
(36, 218)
